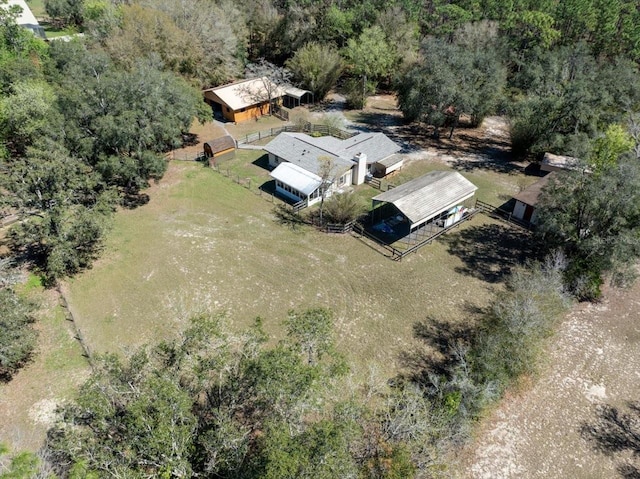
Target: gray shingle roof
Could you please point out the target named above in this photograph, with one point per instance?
(429, 195)
(304, 150)
(377, 146)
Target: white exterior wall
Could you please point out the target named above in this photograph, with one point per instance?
(273, 160)
(519, 210)
(360, 168)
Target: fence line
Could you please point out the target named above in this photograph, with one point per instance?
(340, 228)
(377, 183)
(86, 352)
(304, 128)
(500, 214)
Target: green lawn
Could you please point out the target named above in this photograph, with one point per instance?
(28, 401)
(37, 7)
(204, 242)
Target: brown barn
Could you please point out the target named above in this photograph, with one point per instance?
(244, 100)
(220, 149)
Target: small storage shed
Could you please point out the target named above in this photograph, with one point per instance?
(428, 197)
(384, 167)
(526, 201)
(220, 149)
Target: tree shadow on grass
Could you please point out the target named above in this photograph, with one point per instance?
(616, 431)
(133, 200)
(440, 340)
(286, 216)
(490, 251)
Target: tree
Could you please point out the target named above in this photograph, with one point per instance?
(403, 38)
(66, 12)
(22, 465)
(17, 336)
(206, 403)
(609, 147)
(311, 330)
(342, 208)
(451, 80)
(317, 67)
(271, 79)
(27, 114)
(370, 56)
(566, 98)
(217, 33)
(595, 220)
(64, 208)
(145, 31)
(327, 174)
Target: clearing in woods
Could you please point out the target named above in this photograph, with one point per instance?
(203, 242)
(555, 427)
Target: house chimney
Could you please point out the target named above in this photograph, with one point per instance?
(360, 169)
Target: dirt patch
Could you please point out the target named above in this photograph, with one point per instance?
(592, 363)
(487, 146)
(198, 134)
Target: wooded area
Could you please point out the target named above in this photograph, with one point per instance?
(85, 124)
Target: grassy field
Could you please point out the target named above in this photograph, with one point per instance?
(28, 401)
(37, 7)
(204, 242)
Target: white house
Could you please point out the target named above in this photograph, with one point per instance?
(351, 160)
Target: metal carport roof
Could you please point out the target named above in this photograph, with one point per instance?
(429, 195)
(296, 177)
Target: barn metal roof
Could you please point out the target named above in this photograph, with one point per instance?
(246, 93)
(429, 195)
(294, 92)
(297, 178)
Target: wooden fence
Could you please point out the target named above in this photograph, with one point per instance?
(338, 228)
(397, 254)
(503, 215)
(378, 184)
(304, 128)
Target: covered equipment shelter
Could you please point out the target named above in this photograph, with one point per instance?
(296, 96)
(428, 197)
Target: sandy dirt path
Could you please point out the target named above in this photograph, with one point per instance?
(594, 360)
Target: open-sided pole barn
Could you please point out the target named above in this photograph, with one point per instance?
(438, 195)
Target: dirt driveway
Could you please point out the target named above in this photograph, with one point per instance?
(571, 416)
